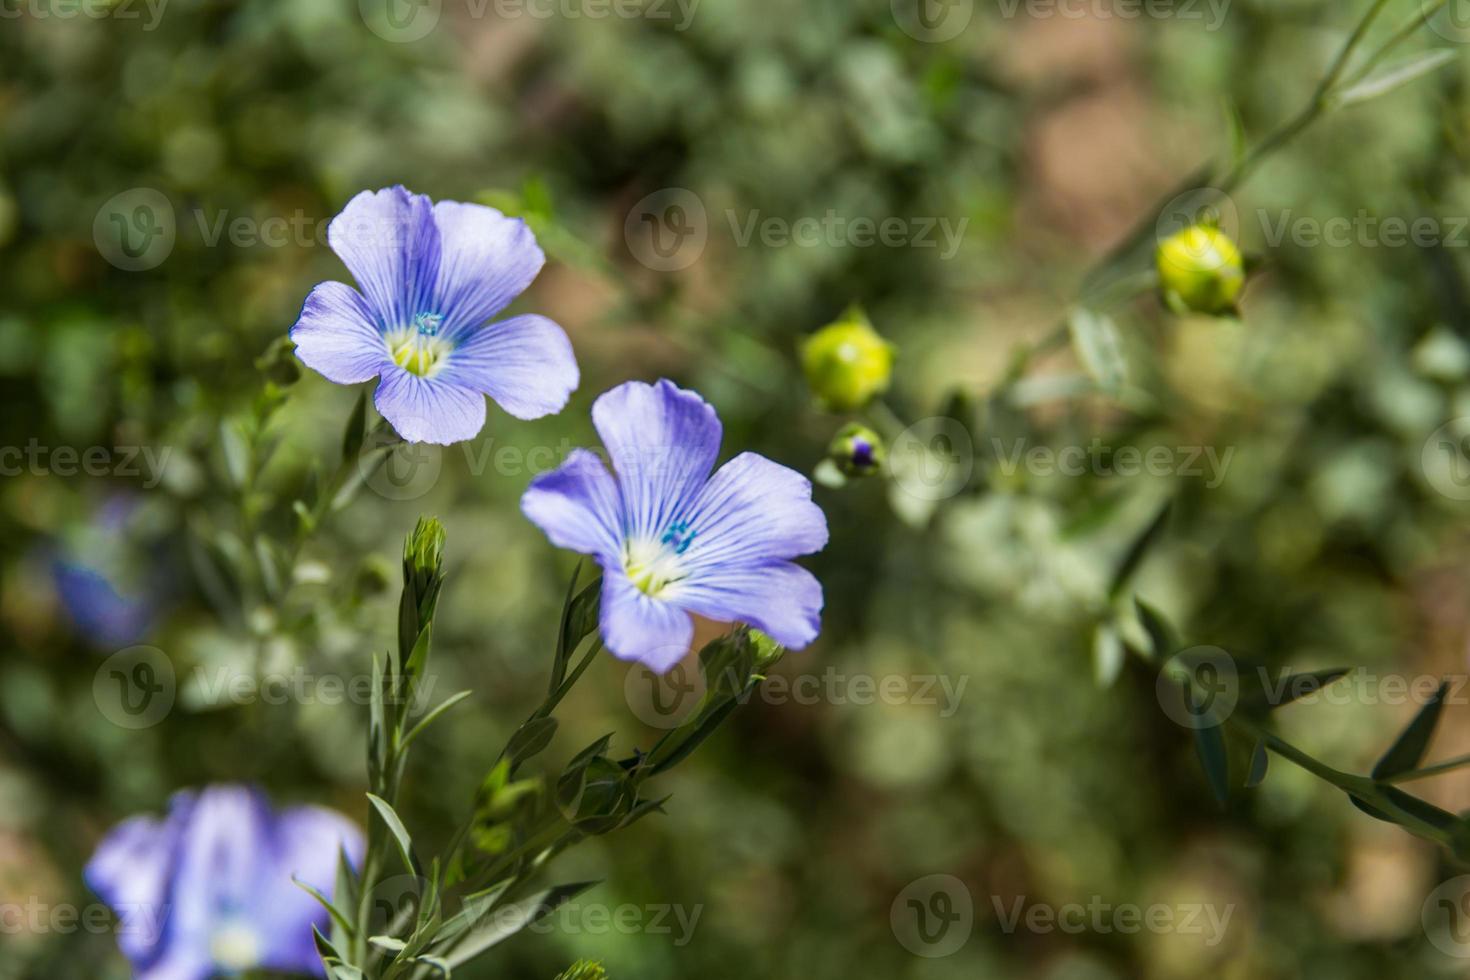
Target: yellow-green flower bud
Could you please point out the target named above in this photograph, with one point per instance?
(1200, 270)
(847, 363)
(584, 970)
(857, 450)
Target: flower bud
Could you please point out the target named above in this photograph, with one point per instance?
(1200, 270)
(857, 450)
(768, 652)
(584, 970)
(847, 363)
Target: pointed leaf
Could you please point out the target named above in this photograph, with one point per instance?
(1099, 348)
(1260, 762)
(1138, 550)
(1396, 76)
(1408, 751)
(512, 919)
(396, 828)
(1209, 743)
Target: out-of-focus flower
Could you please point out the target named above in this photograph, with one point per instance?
(671, 538)
(431, 275)
(208, 890)
(1200, 270)
(857, 450)
(847, 363)
(107, 589)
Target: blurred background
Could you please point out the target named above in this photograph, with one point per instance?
(166, 175)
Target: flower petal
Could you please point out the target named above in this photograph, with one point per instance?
(783, 599)
(662, 440)
(337, 335)
(129, 871)
(389, 241)
(577, 505)
(432, 410)
(306, 842)
(636, 627)
(753, 511)
(525, 363)
(487, 261)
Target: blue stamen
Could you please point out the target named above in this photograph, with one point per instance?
(427, 324)
(679, 536)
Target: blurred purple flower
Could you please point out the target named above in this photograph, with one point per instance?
(208, 890)
(430, 276)
(110, 590)
(671, 538)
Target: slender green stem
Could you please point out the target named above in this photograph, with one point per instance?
(1449, 765)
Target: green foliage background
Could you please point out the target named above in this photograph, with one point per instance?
(797, 827)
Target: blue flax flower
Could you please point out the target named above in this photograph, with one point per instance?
(430, 276)
(207, 890)
(671, 538)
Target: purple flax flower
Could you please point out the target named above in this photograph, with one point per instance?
(671, 538)
(430, 276)
(207, 890)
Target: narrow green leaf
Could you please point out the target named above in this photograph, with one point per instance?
(388, 944)
(1099, 348)
(434, 716)
(1160, 633)
(512, 919)
(1209, 743)
(1138, 550)
(1260, 762)
(530, 740)
(356, 431)
(396, 828)
(337, 917)
(1408, 751)
(1396, 76)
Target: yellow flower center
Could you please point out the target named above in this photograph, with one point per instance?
(418, 348)
(652, 565)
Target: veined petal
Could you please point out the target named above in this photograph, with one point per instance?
(525, 363)
(337, 335)
(306, 841)
(486, 261)
(578, 507)
(432, 410)
(752, 511)
(662, 440)
(783, 599)
(224, 833)
(390, 243)
(636, 627)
